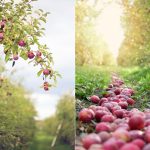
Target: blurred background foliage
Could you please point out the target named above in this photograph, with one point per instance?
(90, 46)
(47, 129)
(135, 49)
(17, 125)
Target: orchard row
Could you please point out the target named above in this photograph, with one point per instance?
(116, 127)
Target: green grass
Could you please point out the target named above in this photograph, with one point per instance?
(93, 79)
(42, 141)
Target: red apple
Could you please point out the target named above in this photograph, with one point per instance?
(124, 105)
(86, 115)
(1, 35)
(104, 136)
(102, 126)
(108, 118)
(46, 88)
(95, 99)
(130, 101)
(119, 113)
(136, 122)
(15, 57)
(30, 55)
(21, 43)
(130, 146)
(117, 91)
(136, 134)
(146, 147)
(90, 139)
(139, 142)
(122, 134)
(46, 71)
(38, 54)
(99, 114)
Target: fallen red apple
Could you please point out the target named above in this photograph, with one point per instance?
(95, 99)
(108, 118)
(104, 135)
(122, 134)
(86, 115)
(119, 113)
(139, 142)
(136, 122)
(102, 126)
(90, 139)
(99, 114)
(130, 146)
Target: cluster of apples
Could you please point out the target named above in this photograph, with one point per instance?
(116, 127)
(30, 54)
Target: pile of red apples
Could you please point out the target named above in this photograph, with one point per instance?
(116, 126)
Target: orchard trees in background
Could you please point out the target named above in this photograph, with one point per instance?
(65, 116)
(135, 49)
(90, 47)
(20, 31)
(17, 125)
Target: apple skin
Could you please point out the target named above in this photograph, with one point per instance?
(104, 136)
(122, 134)
(86, 115)
(147, 135)
(46, 88)
(21, 43)
(95, 99)
(136, 122)
(140, 143)
(102, 126)
(90, 139)
(99, 114)
(30, 55)
(103, 100)
(111, 144)
(15, 57)
(96, 147)
(136, 134)
(130, 101)
(38, 54)
(146, 147)
(2, 24)
(1, 36)
(124, 105)
(108, 118)
(117, 91)
(119, 113)
(46, 71)
(130, 146)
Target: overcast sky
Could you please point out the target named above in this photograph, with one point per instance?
(59, 37)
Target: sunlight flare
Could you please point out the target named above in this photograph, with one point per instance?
(109, 26)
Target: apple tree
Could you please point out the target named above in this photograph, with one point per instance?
(20, 33)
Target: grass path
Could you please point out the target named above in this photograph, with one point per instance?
(42, 141)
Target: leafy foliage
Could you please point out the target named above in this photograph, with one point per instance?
(20, 32)
(16, 115)
(90, 47)
(135, 49)
(65, 116)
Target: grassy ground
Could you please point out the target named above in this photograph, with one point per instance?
(42, 141)
(93, 79)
